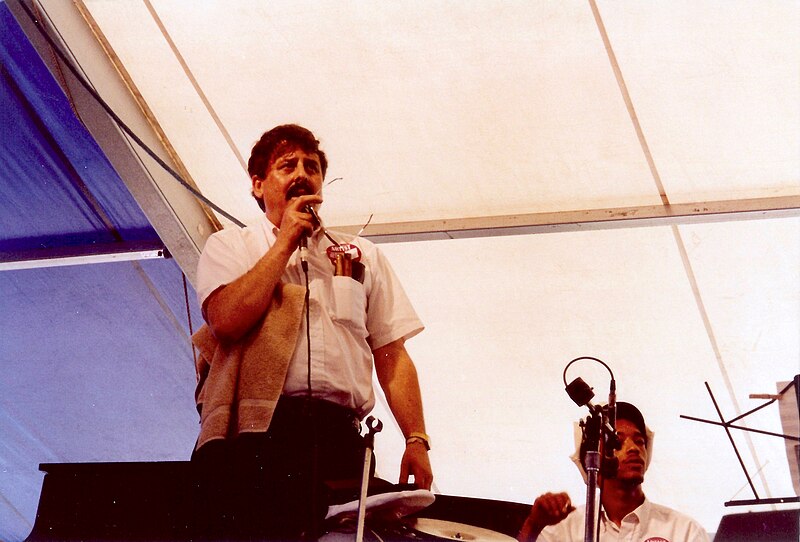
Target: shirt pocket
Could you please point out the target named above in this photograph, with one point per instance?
(349, 304)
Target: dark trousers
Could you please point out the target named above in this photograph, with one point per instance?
(272, 486)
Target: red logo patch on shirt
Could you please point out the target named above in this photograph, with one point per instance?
(656, 539)
(344, 248)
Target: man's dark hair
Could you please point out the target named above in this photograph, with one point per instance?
(276, 141)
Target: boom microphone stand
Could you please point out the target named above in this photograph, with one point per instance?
(592, 431)
(595, 428)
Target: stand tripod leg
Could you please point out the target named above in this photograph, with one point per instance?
(373, 426)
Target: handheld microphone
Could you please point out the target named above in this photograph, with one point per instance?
(304, 252)
(310, 210)
(304, 238)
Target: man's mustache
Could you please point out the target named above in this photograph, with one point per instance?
(300, 188)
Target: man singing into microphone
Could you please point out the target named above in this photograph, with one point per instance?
(626, 514)
(314, 357)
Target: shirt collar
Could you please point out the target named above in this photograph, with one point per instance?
(642, 513)
(268, 229)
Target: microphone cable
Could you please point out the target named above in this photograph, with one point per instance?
(313, 425)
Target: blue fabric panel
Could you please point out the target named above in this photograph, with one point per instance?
(96, 359)
(51, 170)
(97, 366)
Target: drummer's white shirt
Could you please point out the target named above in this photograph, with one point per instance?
(650, 522)
(348, 319)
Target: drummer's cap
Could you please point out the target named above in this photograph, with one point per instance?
(626, 411)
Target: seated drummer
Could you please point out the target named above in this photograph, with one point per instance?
(626, 514)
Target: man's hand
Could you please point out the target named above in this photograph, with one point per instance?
(547, 509)
(296, 221)
(415, 462)
(551, 508)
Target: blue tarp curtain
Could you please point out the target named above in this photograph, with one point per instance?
(96, 361)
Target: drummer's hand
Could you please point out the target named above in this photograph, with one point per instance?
(551, 508)
(415, 462)
(547, 509)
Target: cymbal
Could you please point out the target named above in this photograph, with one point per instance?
(457, 531)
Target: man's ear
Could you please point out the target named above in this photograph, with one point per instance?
(258, 187)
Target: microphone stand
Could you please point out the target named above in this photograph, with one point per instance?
(593, 430)
(373, 426)
(598, 425)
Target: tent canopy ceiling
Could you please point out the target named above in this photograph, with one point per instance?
(439, 112)
(442, 120)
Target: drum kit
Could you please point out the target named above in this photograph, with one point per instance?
(422, 530)
(448, 530)
(395, 515)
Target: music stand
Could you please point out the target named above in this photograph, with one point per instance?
(728, 425)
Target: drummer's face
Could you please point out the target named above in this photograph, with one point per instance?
(632, 455)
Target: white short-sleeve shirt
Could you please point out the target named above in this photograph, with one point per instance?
(650, 522)
(348, 318)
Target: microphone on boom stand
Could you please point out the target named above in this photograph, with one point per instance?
(600, 425)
